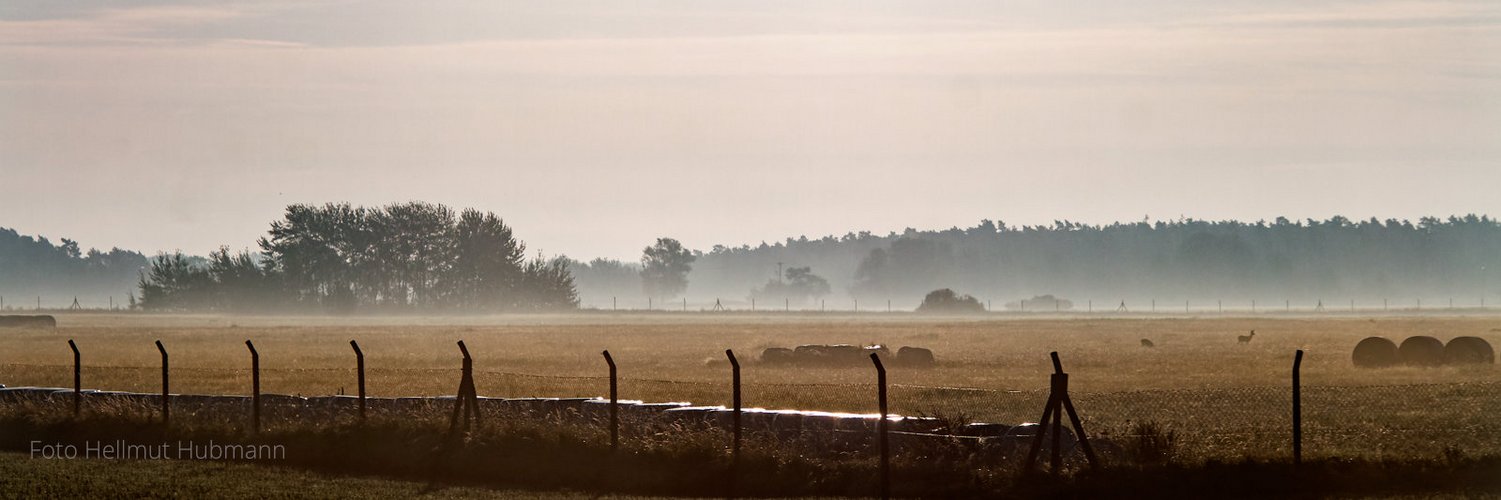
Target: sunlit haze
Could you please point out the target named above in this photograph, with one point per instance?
(594, 127)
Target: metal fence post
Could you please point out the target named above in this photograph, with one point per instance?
(735, 440)
(614, 404)
(166, 397)
(255, 388)
(883, 426)
(77, 379)
(1052, 418)
(359, 361)
(466, 402)
(1297, 410)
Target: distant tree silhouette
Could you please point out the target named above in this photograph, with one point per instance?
(607, 278)
(1174, 260)
(342, 258)
(945, 300)
(664, 268)
(800, 285)
(1045, 302)
(34, 266)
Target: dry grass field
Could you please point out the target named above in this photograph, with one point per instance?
(1223, 400)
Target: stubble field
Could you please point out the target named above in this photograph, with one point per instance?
(1222, 399)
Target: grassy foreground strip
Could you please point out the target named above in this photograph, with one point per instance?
(522, 456)
(24, 477)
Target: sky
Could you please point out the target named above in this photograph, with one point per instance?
(595, 127)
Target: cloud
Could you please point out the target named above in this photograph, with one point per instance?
(115, 26)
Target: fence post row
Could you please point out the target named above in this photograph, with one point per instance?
(166, 397)
(77, 379)
(883, 426)
(614, 404)
(467, 403)
(359, 360)
(255, 388)
(735, 440)
(1297, 410)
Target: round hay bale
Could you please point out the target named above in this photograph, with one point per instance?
(776, 355)
(914, 356)
(41, 321)
(1421, 351)
(837, 354)
(1375, 352)
(1469, 350)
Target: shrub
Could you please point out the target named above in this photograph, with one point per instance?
(945, 300)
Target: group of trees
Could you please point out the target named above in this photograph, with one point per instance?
(34, 266)
(797, 284)
(338, 257)
(1182, 259)
(665, 267)
(946, 301)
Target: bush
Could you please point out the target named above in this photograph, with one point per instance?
(946, 301)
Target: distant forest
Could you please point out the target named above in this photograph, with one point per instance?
(422, 256)
(1171, 261)
(34, 267)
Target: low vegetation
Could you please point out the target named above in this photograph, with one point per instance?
(1199, 405)
(529, 453)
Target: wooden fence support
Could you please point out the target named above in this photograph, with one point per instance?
(1058, 403)
(614, 404)
(1297, 410)
(255, 388)
(166, 393)
(359, 363)
(77, 379)
(883, 426)
(735, 440)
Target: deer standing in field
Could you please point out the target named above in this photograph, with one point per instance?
(1246, 339)
(1147, 343)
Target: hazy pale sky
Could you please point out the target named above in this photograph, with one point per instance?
(593, 127)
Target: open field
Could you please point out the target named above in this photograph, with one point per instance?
(1224, 400)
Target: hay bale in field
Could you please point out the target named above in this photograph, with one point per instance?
(915, 356)
(832, 354)
(43, 322)
(1421, 351)
(1469, 350)
(777, 355)
(1375, 352)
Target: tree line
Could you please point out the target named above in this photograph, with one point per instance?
(32, 267)
(344, 258)
(1178, 260)
(422, 256)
